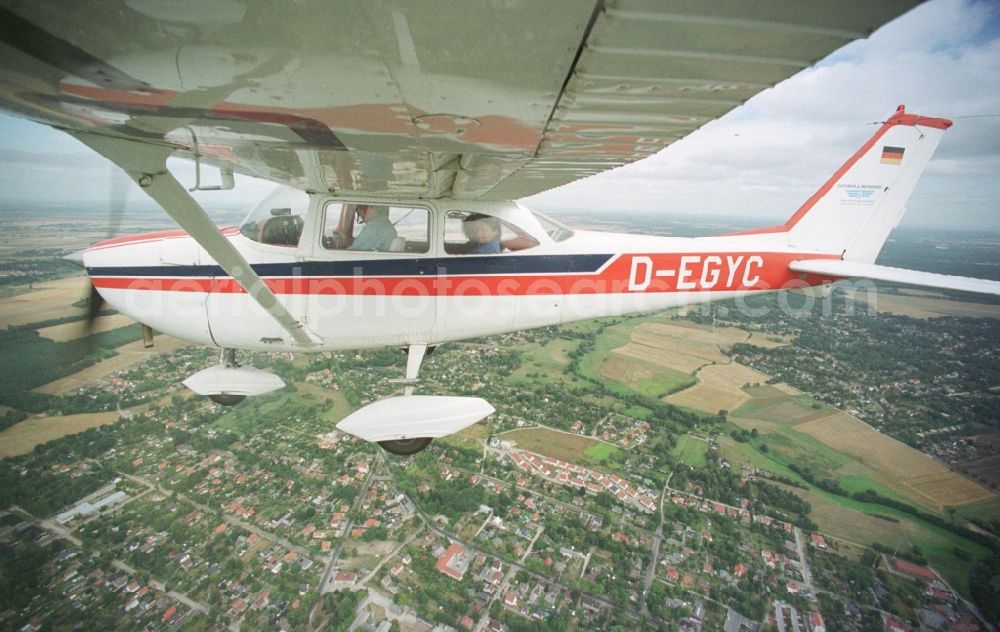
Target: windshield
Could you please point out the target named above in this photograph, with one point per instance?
(552, 228)
(278, 219)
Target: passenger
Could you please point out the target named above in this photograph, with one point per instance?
(483, 233)
(377, 233)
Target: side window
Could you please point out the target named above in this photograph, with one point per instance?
(283, 229)
(468, 233)
(375, 228)
(277, 220)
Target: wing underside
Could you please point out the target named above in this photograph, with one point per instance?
(475, 100)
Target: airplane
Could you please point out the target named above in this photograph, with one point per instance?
(403, 135)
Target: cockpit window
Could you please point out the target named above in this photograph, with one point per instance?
(552, 228)
(278, 220)
(479, 234)
(375, 228)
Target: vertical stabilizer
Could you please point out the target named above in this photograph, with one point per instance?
(856, 209)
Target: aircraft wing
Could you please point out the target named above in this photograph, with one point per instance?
(469, 99)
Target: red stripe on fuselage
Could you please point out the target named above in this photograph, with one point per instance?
(627, 274)
(228, 231)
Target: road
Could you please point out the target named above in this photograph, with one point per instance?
(325, 585)
(158, 585)
(807, 579)
(657, 539)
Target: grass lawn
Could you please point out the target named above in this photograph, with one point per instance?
(601, 451)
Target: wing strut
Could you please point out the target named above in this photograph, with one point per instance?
(146, 164)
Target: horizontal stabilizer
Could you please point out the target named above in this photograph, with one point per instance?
(839, 268)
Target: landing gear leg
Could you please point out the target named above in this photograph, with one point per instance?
(405, 447)
(414, 358)
(228, 399)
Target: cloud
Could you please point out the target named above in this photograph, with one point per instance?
(765, 158)
(760, 161)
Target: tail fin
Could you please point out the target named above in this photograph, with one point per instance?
(855, 210)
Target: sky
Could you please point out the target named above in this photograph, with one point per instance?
(759, 162)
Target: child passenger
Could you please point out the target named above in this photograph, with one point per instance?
(483, 233)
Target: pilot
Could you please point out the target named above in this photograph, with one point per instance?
(377, 232)
(483, 233)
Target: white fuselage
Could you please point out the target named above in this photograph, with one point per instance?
(353, 300)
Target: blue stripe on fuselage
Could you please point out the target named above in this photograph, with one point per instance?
(454, 266)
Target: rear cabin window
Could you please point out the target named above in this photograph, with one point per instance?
(468, 233)
(375, 228)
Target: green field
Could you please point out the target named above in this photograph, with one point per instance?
(773, 405)
(859, 483)
(550, 359)
(472, 437)
(639, 377)
(567, 447)
(612, 338)
(859, 522)
(320, 409)
(989, 510)
(789, 446)
(549, 362)
(663, 382)
(691, 451)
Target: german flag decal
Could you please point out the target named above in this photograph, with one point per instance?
(892, 155)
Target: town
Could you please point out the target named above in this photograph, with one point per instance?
(706, 470)
(188, 515)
